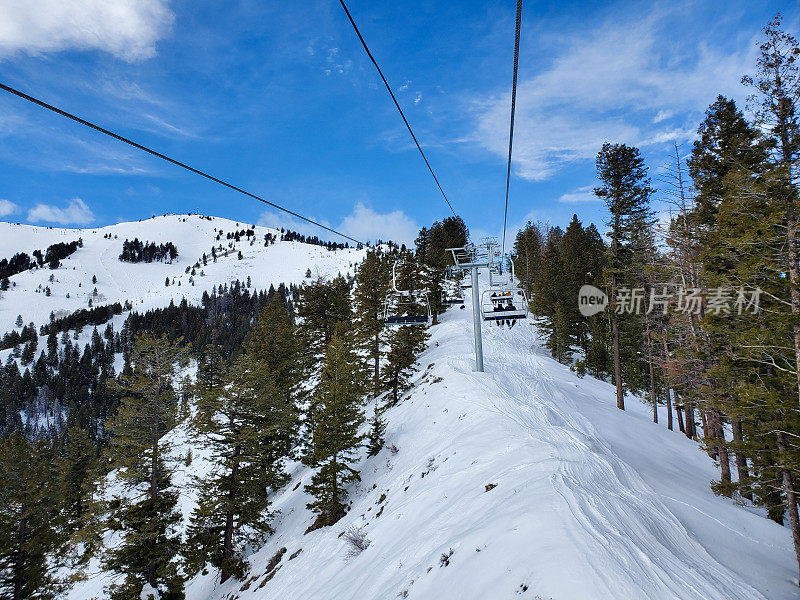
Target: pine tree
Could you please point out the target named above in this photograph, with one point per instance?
(276, 345)
(336, 439)
(79, 470)
(249, 427)
(377, 432)
(372, 286)
(31, 541)
(527, 252)
(148, 554)
(432, 245)
(626, 191)
(777, 98)
(322, 305)
(405, 343)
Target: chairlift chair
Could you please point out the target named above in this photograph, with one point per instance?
(504, 304)
(406, 310)
(452, 295)
(401, 307)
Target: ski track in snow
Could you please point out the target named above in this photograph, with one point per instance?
(590, 502)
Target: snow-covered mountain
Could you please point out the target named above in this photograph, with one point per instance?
(521, 482)
(143, 284)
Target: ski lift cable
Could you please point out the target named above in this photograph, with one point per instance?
(397, 104)
(511, 127)
(116, 136)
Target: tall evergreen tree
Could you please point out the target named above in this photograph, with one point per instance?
(625, 187)
(322, 305)
(336, 439)
(372, 286)
(405, 343)
(31, 540)
(147, 515)
(249, 427)
(79, 472)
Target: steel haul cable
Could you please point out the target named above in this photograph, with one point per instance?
(389, 89)
(64, 113)
(511, 127)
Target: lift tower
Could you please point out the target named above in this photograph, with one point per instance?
(471, 258)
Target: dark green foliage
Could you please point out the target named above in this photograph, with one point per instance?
(249, 428)
(322, 305)
(31, 540)
(99, 315)
(432, 245)
(136, 251)
(148, 553)
(372, 285)
(336, 439)
(528, 248)
(377, 431)
(405, 343)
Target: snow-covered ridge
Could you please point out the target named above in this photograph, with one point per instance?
(143, 283)
(521, 482)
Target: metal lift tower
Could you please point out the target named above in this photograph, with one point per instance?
(471, 258)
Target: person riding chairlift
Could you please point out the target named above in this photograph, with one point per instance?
(510, 306)
(498, 307)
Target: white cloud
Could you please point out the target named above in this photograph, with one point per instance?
(618, 83)
(662, 115)
(367, 225)
(278, 220)
(581, 194)
(128, 29)
(362, 224)
(7, 208)
(75, 213)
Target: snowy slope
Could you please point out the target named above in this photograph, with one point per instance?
(142, 283)
(590, 502)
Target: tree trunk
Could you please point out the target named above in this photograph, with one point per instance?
(707, 433)
(667, 381)
(227, 542)
(617, 363)
(791, 501)
(614, 318)
(653, 398)
(691, 426)
(722, 447)
(741, 461)
(679, 412)
(669, 410)
(21, 555)
(376, 349)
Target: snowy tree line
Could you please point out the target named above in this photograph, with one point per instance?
(136, 251)
(20, 262)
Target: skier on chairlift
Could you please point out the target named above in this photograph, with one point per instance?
(511, 322)
(498, 307)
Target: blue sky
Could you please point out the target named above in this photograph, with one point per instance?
(279, 98)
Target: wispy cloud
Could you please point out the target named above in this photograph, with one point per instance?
(75, 213)
(170, 127)
(581, 194)
(127, 29)
(622, 82)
